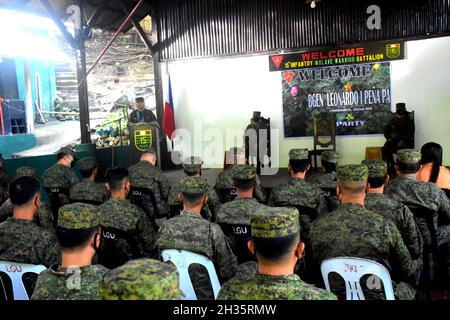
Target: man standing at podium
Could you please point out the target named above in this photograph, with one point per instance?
(141, 114)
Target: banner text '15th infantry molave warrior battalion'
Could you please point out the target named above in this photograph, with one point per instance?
(352, 82)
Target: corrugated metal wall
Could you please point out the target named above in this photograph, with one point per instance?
(193, 28)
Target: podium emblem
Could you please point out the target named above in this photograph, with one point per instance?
(393, 50)
(142, 139)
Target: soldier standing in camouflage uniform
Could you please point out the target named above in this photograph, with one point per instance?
(122, 215)
(224, 180)
(327, 179)
(418, 194)
(78, 234)
(145, 174)
(238, 211)
(61, 175)
(276, 241)
(87, 190)
(142, 279)
(192, 167)
(21, 239)
(189, 231)
(43, 217)
(376, 201)
(354, 231)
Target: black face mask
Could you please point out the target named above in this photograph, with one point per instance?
(72, 164)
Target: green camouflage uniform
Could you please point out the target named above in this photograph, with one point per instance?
(59, 176)
(145, 175)
(88, 190)
(239, 210)
(224, 179)
(74, 283)
(193, 165)
(43, 217)
(189, 231)
(273, 223)
(354, 231)
(24, 241)
(142, 279)
(123, 215)
(418, 194)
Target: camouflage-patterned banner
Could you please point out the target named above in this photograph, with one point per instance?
(359, 95)
(341, 55)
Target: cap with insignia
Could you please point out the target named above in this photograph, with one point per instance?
(68, 150)
(87, 163)
(298, 154)
(142, 279)
(139, 99)
(330, 156)
(192, 164)
(352, 172)
(270, 222)
(26, 172)
(244, 172)
(377, 168)
(78, 216)
(193, 185)
(408, 156)
(151, 150)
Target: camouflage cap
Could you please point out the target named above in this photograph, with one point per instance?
(408, 156)
(377, 168)
(141, 279)
(352, 172)
(400, 106)
(270, 222)
(151, 150)
(244, 172)
(26, 172)
(192, 164)
(330, 156)
(193, 185)
(67, 150)
(78, 216)
(87, 163)
(298, 154)
(237, 151)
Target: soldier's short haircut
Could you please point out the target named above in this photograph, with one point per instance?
(22, 190)
(87, 173)
(60, 155)
(408, 167)
(298, 165)
(377, 182)
(329, 166)
(74, 239)
(192, 198)
(243, 184)
(114, 177)
(353, 187)
(275, 249)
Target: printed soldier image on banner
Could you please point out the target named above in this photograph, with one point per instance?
(359, 95)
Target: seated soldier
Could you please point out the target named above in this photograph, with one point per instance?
(414, 193)
(87, 190)
(224, 180)
(192, 167)
(354, 231)
(238, 211)
(21, 239)
(119, 213)
(61, 175)
(142, 279)
(145, 174)
(78, 234)
(376, 201)
(275, 239)
(189, 231)
(327, 179)
(43, 217)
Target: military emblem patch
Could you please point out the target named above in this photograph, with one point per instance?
(142, 139)
(393, 50)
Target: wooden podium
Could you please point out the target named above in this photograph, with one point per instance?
(143, 135)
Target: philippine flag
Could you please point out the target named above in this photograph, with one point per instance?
(168, 116)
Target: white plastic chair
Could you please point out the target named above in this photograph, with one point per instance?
(352, 270)
(15, 271)
(182, 259)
